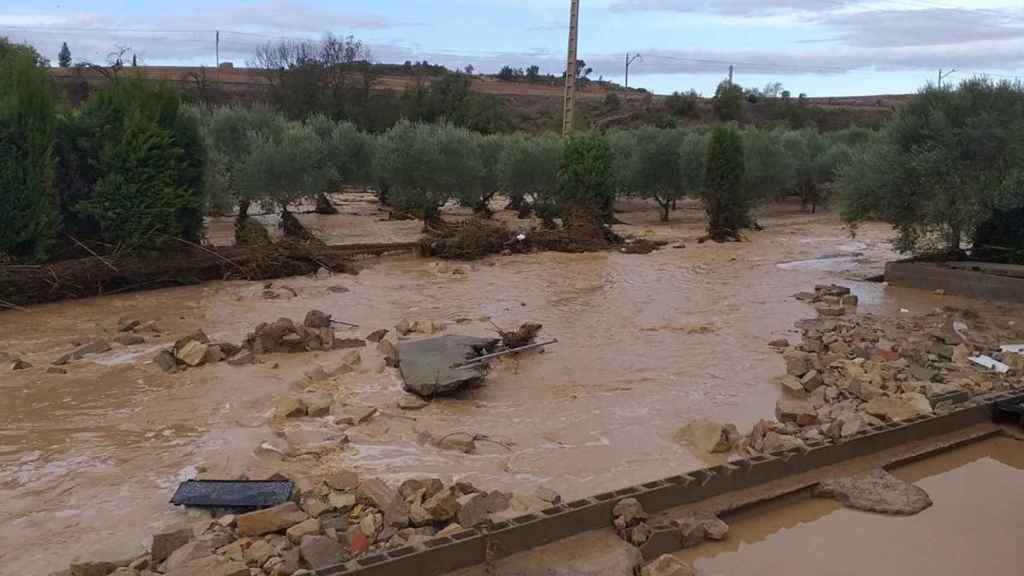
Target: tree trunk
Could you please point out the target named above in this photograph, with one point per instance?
(324, 205)
(665, 206)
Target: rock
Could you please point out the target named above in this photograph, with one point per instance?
(667, 565)
(368, 525)
(831, 290)
(442, 506)
(165, 543)
(343, 480)
(105, 560)
(355, 415)
(695, 528)
(426, 327)
(628, 512)
(127, 324)
(290, 408)
(757, 435)
(127, 571)
(185, 555)
(639, 534)
(323, 273)
(314, 506)
(227, 520)
(258, 553)
(804, 296)
(319, 406)
(274, 519)
(458, 443)
(20, 364)
(849, 300)
(56, 370)
(812, 380)
(411, 402)
(243, 359)
(337, 289)
(356, 541)
(832, 311)
(548, 495)
(376, 335)
(377, 494)
(774, 442)
(211, 566)
(798, 363)
(317, 319)
(302, 529)
(412, 486)
(95, 347)
(902, 407)
(193, 353)
(791, 385)
(319, 552)
(130, 339)
(214, 354)
(472, 509)
(341, 501)
(876, 491)
(388, 350)
(150, 326)
(864, 390)
(709, 436)
(779, 343)
(289, 563)
(166, 361)
(790, 410)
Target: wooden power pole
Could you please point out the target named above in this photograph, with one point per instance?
(570, 69)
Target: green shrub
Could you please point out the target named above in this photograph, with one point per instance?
(948, 163)
(725, 198)
(728, 102)
(684, 105)
(28, 201)
(586, 189)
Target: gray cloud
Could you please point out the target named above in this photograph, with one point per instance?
(732, 7)
(931, 27)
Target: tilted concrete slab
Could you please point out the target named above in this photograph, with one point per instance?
(426, 365)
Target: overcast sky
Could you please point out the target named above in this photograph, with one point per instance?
(821, 47)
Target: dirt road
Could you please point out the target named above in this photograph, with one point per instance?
(646, 343)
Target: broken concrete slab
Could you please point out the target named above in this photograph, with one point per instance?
(876, 491)
(426, 365)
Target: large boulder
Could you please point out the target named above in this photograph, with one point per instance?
(876, 491)
(165, 543)
(709, 436)
(901, 407)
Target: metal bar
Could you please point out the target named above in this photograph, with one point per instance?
(486, 357)
(349, 324)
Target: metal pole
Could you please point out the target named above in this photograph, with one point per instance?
(628, 62)
(218, 48)
(487, 357)
(730, 75)
(570, 69)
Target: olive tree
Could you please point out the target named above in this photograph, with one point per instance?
(948, 164)
(770, 167)
(488, 149)
(650, 168)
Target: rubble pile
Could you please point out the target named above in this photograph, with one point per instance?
(850, 371)
(340, 518)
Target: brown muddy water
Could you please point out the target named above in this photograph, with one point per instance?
(973, 526)
(646, 343)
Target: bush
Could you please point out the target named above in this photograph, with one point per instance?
(586, 189)
(424, 164)
(728, 102)
(684, 105)
(138, 164)
(28, 201)
(724, 195)
(612, 102)
(951, 161)
(650, 168)
(528, 171)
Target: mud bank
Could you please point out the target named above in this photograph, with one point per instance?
(646, 343)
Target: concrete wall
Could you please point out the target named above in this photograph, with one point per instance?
(478, 545)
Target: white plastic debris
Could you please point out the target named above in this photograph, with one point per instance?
(960, 328)
(520, 237)
(1012, 348)
(904, 310)
(990, 363)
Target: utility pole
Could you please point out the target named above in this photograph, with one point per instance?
(218, 48)
(943, 76)
(570, 69)
(730, 75)
(630, 60)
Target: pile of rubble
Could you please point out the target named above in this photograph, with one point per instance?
(850, 371)
(340, 518)
(283, 335)
(630, 522)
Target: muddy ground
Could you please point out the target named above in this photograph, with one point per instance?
(647, 342)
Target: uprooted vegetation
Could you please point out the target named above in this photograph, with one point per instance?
(476, 238)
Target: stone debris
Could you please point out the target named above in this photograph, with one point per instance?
(95, 347)
(876, 491)
(376, 335)
(19, 364)
(129, 339)
(667, 565)
(630, 521)
(709, 436)
(697, 527)
(850, 372)
(411, 402)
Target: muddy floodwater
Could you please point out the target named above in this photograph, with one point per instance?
(646, 342)
(973, 526)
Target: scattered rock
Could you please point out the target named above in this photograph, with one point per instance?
(319, 406)
(193, 353)
(166, 361)
(547, 495)
(242, 359)
(458, 443)
(56, 370)
(376, 335)
(258, 553)
(297, 532)
(127, 324)
(775, 442)
(319, 552)
(902, 407)
(129, 339)
(317, 319)
(791, 385)
(779, 343)
(343, 480)
(20, 364)
(105, 560)
(95, 347)
(667, 565)
(274, 519)
(290, 408)
(473, 509)
(453, 528)
(695, 528)
(850, 300)
(165, 543)
(876, 491)
(337, 289)
(811, 381)
(798, 363)
(791, 410)
(709, 436)
(442, 506)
